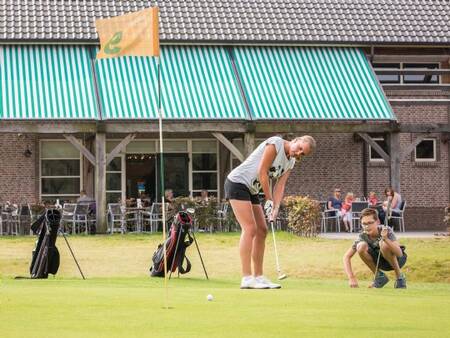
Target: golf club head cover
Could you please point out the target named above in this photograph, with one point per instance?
(268, 207)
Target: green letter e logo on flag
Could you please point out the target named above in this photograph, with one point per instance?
(111, 47)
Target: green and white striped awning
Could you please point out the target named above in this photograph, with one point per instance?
(196, 83)
(310, 84)
(46, 82)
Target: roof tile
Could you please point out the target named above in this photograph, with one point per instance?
(298, 21)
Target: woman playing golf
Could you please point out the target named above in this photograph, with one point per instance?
(273, 159)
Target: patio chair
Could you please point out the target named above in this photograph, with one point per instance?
(82, 216)
(155, 216)
(9, 220)
(327, 215)
(222, 215)
(25, 218)
(116, 216)
(68, 216)
(145, 219)
(356, 209)
(2, 222)
(400, 218)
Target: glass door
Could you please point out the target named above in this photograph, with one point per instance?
(176, 174)
(115, 180)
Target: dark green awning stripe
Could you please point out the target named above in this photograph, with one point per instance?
(311, 83)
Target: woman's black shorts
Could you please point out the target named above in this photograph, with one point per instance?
(238, 191)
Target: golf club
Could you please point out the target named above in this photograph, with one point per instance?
(386, 222)
(280, 275)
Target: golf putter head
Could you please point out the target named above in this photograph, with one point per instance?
(282, 276)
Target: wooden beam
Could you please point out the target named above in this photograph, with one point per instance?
(411, 147)
(395, 150)
(121, 146)
(332, 126)
(77, 144)
(45, 127)
(379, 58)
(249, 143)
(425, 86)
(100, 183)
(387, 71)
(230, 146)
(176, 126)
(375, 146)
(424, 128)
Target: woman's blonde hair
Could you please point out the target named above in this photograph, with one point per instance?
(307, 139)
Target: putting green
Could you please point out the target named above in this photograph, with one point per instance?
(119, 300)
(135, 308)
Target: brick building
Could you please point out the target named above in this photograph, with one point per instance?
(57, 127)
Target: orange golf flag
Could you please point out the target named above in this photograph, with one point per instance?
(135, 34)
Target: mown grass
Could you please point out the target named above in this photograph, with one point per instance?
(119, 299)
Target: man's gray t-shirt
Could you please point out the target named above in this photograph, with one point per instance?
(247, 172)
(374, 243)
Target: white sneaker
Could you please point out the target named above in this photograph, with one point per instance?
(250, 282)
(266, 281)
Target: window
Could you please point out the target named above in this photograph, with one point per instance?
(421, 78)
(406, 79)
(60, 170)
(114, 180)
(373, 154)
(387, 78)
(426, 151)
(205, 174)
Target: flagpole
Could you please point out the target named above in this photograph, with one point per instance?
(161, 169)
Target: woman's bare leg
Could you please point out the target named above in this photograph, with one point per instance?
(244, 215)
(259, 241)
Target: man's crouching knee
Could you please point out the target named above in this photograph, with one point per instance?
(362, 248)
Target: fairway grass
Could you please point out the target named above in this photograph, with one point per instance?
(119, 300)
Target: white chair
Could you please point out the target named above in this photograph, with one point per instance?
(356, 209)
(82, 216)
(222, 215)
(155, 216)
(68, 216)
(9, 220)
(400, 217)
(116, 216)
(24, 217)
(329, 214)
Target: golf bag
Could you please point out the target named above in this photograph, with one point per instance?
(180, 238)
(45, 257)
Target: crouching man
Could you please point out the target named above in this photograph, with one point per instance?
(371, 240)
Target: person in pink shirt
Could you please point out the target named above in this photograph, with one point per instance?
(346, 212)
(373, 200)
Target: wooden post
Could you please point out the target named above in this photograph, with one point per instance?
(249, 143)
(100, 183)
(395, 156)
(88, 170)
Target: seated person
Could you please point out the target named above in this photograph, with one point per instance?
(396, 201)
(368, 245)
(204, 198)
(84, 197)
(373, 200)
(346, 212)
(335, 202)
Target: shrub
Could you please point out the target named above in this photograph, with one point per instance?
(303, 215)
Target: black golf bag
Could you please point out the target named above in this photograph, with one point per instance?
(180, 238)
(45, 258)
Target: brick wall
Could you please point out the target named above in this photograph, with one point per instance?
(18, 173)
(337, 162)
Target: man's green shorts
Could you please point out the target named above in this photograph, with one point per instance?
(384, 264)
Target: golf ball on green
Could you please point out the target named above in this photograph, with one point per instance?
(209, 297)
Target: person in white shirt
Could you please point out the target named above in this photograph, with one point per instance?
(273, 160)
